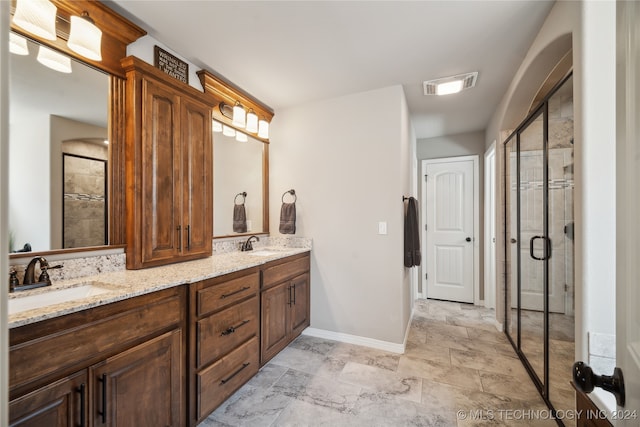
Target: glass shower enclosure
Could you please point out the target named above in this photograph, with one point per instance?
(539, 303)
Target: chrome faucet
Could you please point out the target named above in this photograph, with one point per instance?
(248, 246)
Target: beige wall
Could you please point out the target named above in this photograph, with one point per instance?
(349, 161)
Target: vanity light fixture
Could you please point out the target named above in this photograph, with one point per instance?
(263, 129)
(239, 115)
(216, 126)
(54, 60)
(241, 137)
(228, 131)
(85, 38)
(18, 44)
(252, 121)
(450, 85)
(37, 17)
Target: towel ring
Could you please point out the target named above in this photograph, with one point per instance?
(244, 196)
(292, 192)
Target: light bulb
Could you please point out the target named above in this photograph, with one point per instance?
(239, 116)
(37, 17)
(263, 129)
(252, 122)
(85, 38)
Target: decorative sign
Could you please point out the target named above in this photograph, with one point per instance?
(171, 65)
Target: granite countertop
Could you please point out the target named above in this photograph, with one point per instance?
(125, 284)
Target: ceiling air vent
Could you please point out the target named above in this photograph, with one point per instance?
(449, 85)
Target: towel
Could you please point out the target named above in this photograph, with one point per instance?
(239, 219)
(412, 254)
(288, 218)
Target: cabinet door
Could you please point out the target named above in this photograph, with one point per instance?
(61, 403)
(196, 177)
(160, 172)
(299, 304)
(141, 386)
(275, 320)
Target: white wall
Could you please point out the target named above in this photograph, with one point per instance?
(591, 25)
(347, 159)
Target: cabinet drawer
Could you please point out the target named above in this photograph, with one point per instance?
(220, 333)
(221, 379)
(274, 274)
(219, 296)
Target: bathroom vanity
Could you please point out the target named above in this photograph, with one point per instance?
(166, 347)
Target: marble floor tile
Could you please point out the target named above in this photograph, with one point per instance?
(488, 362)
(383, 410)
(425, 351)
(267, 376)
(383, 381)
(250, 406)
(313, 344)
(453, 375)
(365, 356)
(506, 385)
(318, 391)
(301, 413)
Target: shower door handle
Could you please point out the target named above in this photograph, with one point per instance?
(547, 248)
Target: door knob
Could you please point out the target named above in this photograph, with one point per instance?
(468, 239)
(586, 380)
(513, 240)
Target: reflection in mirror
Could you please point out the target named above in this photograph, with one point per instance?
(47, 108)
(237, 168)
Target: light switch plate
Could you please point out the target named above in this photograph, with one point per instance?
(382, 227)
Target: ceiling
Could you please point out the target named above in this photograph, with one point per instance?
(288, 53)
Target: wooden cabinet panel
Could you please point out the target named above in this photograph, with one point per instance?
(197, 177)
(275, 320)
(169, 168)
(300, 304)
(220, 333)
(227, 293)
(60, 404)
(44, 351)
(217, 382)
(278, 271)
(160, 169)
(141, 386)
(285, 305)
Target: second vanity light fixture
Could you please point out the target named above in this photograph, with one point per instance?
(38, 17)
(248, 120)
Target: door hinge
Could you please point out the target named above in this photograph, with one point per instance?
(566, 287)
(426, 276)
(425, 178)
(425, 227)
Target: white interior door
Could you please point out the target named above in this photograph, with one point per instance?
(628, 210)
(450, 230)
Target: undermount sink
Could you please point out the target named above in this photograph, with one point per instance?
(81, 291)
(265, 252)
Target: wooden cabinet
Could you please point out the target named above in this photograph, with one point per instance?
(121, 363)
(224, 345)
(285, 303)
(62, 403)
(169, 168)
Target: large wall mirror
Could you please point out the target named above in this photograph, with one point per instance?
(238, 171)
(53, 114)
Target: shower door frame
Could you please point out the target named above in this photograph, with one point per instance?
(542, 384)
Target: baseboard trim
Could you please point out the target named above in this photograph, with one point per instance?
(355, 339)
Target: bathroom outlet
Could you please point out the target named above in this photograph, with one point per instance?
(382, 227)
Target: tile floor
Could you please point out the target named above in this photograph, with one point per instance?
(457, 370)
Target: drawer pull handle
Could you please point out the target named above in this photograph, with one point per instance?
(103, 413)
(232, 329)
(223, 296)
(226, 380)
(81, 390)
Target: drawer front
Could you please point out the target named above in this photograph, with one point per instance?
(220, 333)
(224, 294)
(216, 383)
(279, 272)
